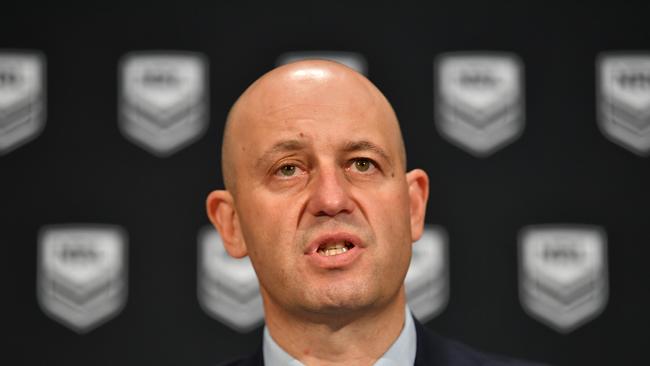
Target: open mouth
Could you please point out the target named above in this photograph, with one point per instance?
(334, 248)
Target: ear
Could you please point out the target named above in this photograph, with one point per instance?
(222, 214)
(418, 183)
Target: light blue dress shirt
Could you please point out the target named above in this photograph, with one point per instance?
(401, 352)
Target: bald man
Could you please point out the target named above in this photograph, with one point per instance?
(318, 196)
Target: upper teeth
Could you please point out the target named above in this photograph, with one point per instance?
(333, 249)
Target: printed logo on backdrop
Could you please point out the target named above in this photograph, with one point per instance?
(479, 100)
(163, 101)
(427, 279)
(624, 100)
(563, 278)
(227, 289)
(82, 274)
(353, 60)
(22, 98)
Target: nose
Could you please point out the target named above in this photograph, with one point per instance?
(330, 194)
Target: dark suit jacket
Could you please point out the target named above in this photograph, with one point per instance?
(432, 350)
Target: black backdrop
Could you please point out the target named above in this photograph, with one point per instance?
(562, 169)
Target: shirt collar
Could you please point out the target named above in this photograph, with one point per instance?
(401, 352)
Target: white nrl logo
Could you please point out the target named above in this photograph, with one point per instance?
(624, 100)
(479, 100)
(427, 280)
(163, 100)
(22, 98)
(82, 274)
(228, 289)
(563, 274)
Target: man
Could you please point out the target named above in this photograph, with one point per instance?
(318, 196)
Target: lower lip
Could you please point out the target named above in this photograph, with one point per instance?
(338, 261)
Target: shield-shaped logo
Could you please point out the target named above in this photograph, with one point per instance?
(427, 280)
(624, 100)
(228, 289)
(563, 278)
(82, 274)
(22, 98)
(479, 100)
(163, 102)
(353, 60)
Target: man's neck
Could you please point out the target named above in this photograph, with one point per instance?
(352, 339)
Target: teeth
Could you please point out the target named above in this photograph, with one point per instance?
(333, 249)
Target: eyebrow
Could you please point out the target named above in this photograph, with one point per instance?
(282, 146)
(297, 145)
(363, 145)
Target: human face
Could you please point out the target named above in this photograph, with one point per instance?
(323, 202)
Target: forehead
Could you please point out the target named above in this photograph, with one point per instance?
(319, 125)
(322, 112)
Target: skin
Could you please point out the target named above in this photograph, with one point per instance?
(313, 149)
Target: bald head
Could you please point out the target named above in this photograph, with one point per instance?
(314, 91)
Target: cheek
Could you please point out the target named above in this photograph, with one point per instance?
(263, 215)
(269, 231)
(390, 209)
(392, 226)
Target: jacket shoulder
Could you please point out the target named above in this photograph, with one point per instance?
(433, 349)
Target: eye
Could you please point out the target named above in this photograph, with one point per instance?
(287, 170)
(363, 165)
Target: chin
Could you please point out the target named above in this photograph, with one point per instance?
(338, 300)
